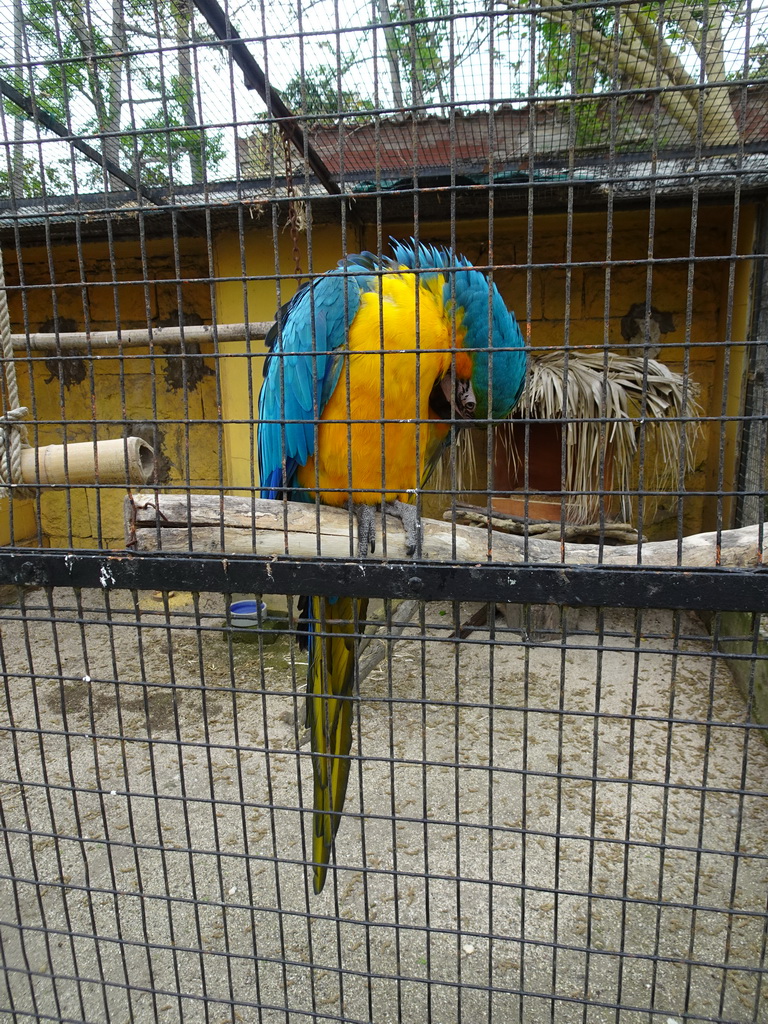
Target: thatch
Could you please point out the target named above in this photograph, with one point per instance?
(603, 399)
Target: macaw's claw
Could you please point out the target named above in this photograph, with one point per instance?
(409, 517)
(366, 527)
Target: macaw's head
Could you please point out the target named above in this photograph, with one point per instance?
(490, 382)
(453, 396)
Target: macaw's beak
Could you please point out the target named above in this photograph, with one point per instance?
(459, 403)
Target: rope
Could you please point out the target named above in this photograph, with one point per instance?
(13, 432)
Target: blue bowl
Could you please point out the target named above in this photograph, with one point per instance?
(248, 622)
(243, 611)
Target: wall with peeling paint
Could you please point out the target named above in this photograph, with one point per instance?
(80, 397)
(173, 403)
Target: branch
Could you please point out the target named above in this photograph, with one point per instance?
(633, 61)
(714, 60)
(652, 36)
(141, 337)
(635, 58)
(208, 523)
(691, 29)
(390, 43)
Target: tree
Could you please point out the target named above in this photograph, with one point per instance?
(675, 47)
(417, 47)
(89, 68)
(417, 37)
(321, 94)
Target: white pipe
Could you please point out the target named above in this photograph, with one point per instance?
(123, 460)
(139, 337)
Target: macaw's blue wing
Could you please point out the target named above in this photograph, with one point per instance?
(300, 374)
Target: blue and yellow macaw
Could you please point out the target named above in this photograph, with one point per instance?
(372, 365)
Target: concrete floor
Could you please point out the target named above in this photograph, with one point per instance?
(537, 831)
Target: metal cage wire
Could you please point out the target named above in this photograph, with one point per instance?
(556, 807)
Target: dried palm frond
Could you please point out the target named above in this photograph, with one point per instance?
(603, 401)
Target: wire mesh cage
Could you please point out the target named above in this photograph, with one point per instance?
(384, 474)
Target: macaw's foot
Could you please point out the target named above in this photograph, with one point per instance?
(409, 517)
(366, 527)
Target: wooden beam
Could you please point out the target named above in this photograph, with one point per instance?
(39, 116)
(255, 78)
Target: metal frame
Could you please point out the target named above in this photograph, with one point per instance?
(694, 589)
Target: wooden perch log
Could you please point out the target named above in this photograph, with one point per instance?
(233, 525)
(621, 533)
(124, 460)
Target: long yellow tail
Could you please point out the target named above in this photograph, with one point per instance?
(330, 688)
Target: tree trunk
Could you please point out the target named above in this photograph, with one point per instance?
(111, 144)
(719, 126)
(417, 91)
(106, 98)
(390, 40)
(182, 19)
(17, 160)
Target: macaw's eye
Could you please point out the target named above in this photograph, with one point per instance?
(465, 399)
(449, 403)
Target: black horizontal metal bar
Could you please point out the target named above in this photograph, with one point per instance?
(711, 589)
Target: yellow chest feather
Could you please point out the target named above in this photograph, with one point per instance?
(375, 431)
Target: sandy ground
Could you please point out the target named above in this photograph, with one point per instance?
(539, 831)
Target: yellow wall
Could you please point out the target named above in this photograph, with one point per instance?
(18, 524)
(202, 444)
(135, 388)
